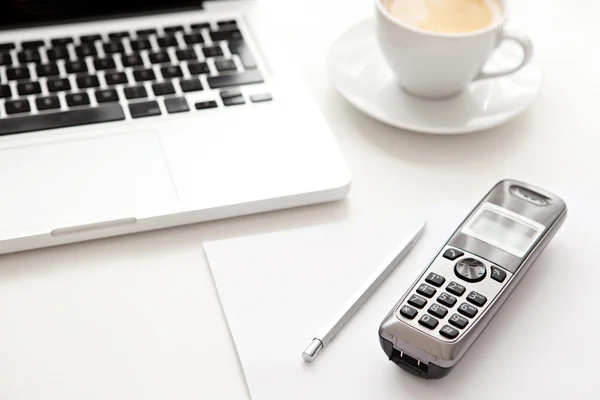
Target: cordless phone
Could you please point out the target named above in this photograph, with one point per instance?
(436, 321)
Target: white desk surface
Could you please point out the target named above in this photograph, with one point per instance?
(138, 317)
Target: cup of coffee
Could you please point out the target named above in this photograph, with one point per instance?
(436, 48)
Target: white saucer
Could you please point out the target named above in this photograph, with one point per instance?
(357, 69)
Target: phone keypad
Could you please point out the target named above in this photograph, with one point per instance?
(427, 310)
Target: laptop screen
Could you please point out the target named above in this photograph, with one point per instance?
(14, 13)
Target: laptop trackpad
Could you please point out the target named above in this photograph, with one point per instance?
(81, 181)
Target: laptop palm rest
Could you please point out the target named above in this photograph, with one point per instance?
(58, 185)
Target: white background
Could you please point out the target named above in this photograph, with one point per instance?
(138, 317)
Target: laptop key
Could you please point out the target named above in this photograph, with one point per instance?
(135, 92)
(244, 78)
(142, 75)
(146, 32)
(58, 85)
(5, 58)
(27, 88)
(167, 41)
(234, 101)
(115, 78)
(132, 60)
(16, 107)
(225, 34)
(225, 65)
(86, 50)
(118, 35)
(7, 46)
(193, 38)
(78, 99)
(260, 98)
(171, 71)
(75, 67)
(47, 103)
(29, 56)
(144, 109)
(160, 58)
(104, 63)
(87, 81)
(90, 38)
(173, 29)
(186, 54)
(191, 85)
(198, 68)
(176, 105)
(214, 51)
(164, 88)
(5, 91)
(61, 41)
(47, 70)
(107, 96)
(199, 26)
(203, 105)
(141, 44)
(13, 74)
(84, 116)
(243, 52)
(58, 53)
(32, 44)
(113, 47)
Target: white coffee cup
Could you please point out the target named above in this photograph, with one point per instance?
(437, 65)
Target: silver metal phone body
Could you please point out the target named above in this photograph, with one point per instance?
(494, 243)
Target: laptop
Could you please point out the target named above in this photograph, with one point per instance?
(147, 114)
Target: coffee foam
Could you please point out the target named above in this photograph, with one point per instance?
(445, 16)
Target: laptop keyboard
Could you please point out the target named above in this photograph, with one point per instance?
(104, 77)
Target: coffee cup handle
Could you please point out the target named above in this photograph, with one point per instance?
(525, 43)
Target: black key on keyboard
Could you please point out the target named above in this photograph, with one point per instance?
(85, 116)
(86, 50)
(87, 81)
(47, 70)
(33, 44)
(229, 23)
(214, 51)
(90, 38)
(240, 48)
(144, 109)
(164, 88)
(115, 78)
(57, 85)
(5, 91)
(140, 44)
(27, 88)
(47, 103)
(135, 92)
(225, 34)
(107, 96)
(173, 29)
(145, 32)
(118, 35)
(113, 47)
(203, 105)
(29, 55)
(160, 58)
(78, 99)
(104, 63)
(202, 25)
(7, 46)
(58, 53)
(191, 85)
(186, 54)
(225, 65)
(75, 67)
(16, 106)
(245, 78)
(5, 58)
(167, 41)
(172, 71)
(142, 75)
(61, 41)
(193, 38)
(176, 105)
(234, 101)
(198, 68)
(14, 74)
(132, 60)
